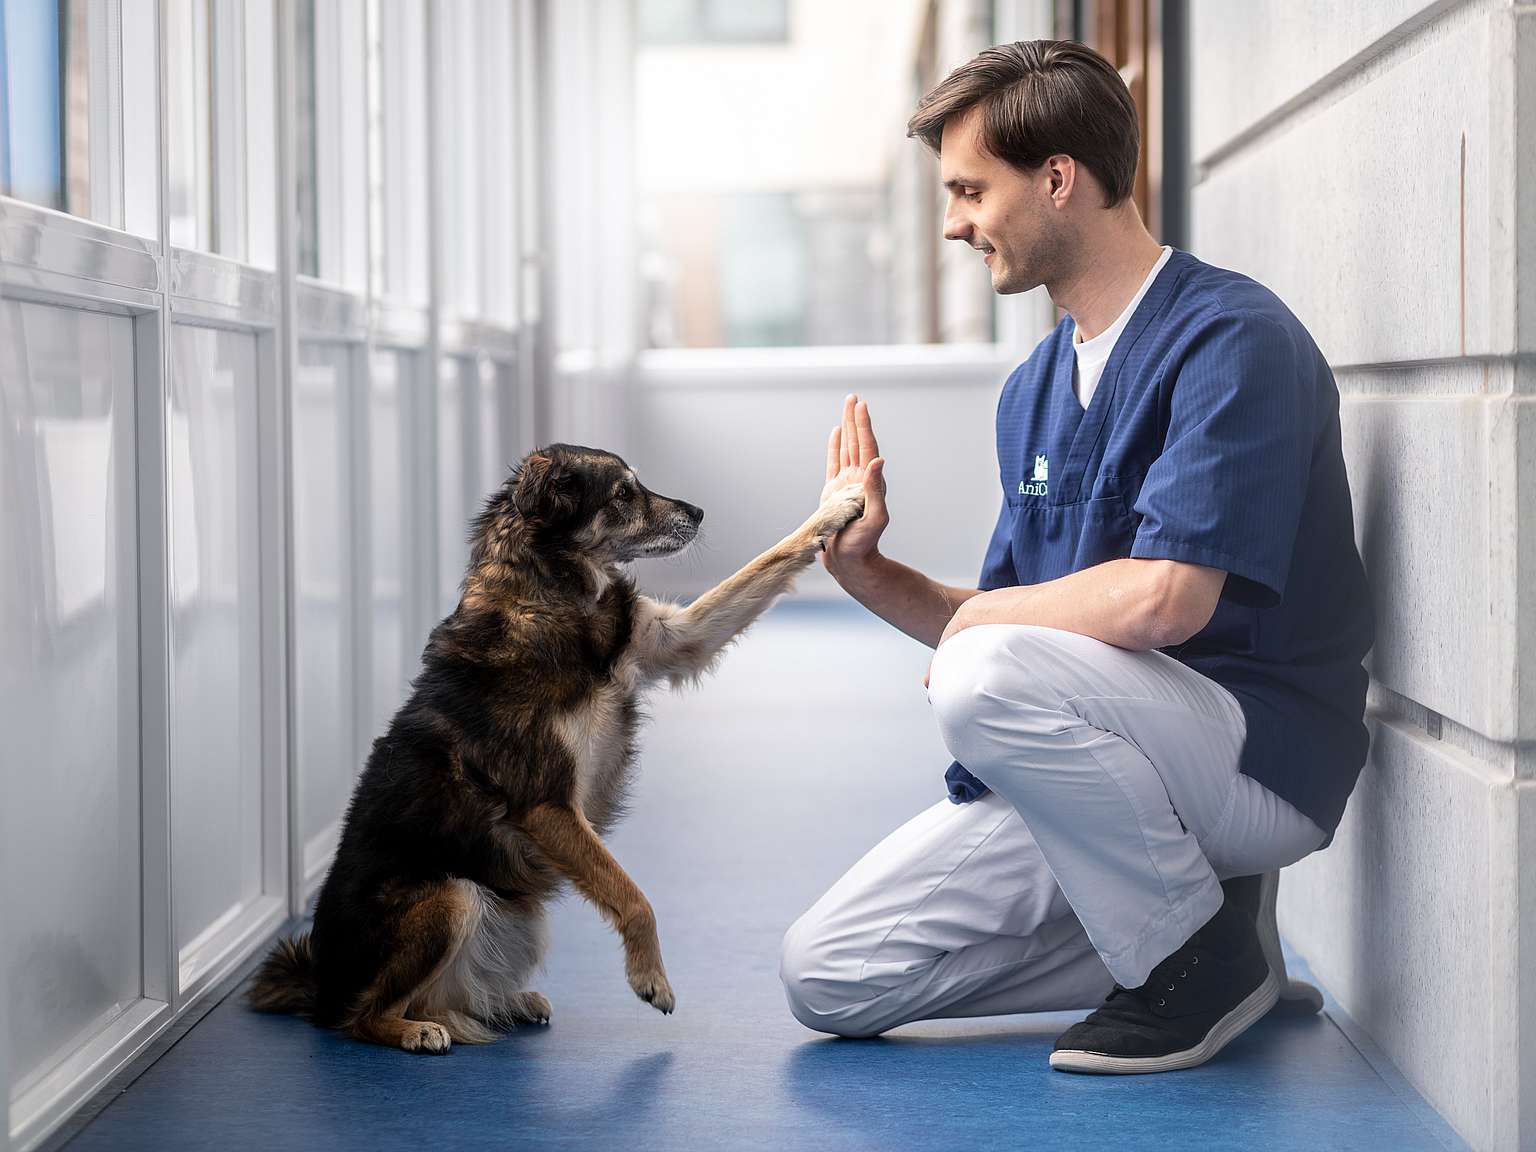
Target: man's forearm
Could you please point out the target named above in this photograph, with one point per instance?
(1129, 603)
(903, 597)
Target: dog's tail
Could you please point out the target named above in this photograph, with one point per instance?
(286, 982)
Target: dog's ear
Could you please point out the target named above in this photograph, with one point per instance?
(546, 491)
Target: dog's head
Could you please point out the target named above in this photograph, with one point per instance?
(590, 501)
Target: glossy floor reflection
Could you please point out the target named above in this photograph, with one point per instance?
(758, 790)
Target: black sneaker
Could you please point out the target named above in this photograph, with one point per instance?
(1194, 1003)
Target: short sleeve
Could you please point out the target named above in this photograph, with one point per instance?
(997, 569)
(1228, 488)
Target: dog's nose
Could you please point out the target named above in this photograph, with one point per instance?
(694, 513)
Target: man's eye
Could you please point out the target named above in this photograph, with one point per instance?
(973, 197)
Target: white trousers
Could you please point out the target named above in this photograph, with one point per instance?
(1116, 809)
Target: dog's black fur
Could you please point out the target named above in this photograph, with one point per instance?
(510, 758)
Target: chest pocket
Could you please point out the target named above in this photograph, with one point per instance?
(1052, 540)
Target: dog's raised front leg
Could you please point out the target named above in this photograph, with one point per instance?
(681, 642)
(573, 846)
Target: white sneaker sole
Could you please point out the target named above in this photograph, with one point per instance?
(1222, 1033)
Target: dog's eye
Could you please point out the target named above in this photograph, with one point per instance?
(624, 493)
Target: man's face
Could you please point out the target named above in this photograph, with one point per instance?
(1006, 214)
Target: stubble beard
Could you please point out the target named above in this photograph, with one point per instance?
(1035, 265)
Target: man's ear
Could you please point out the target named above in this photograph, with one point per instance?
(545, 491)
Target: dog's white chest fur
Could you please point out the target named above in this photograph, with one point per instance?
(596, 735)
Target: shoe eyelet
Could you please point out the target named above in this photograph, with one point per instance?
(1169, 988)
(1193, 960)
(1183, 975)
(1161, 1002)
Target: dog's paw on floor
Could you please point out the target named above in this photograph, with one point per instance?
(527, 1008)
(652, 987)
(426, 1037)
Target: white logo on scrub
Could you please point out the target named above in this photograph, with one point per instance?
(1037, 485)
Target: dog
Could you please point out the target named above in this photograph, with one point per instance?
(498, 777)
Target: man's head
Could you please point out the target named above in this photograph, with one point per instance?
(1037, 144)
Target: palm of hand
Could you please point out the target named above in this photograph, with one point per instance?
(853, 457)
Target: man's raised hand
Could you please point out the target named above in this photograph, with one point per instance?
(853, 457)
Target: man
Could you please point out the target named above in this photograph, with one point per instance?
(1157, 685)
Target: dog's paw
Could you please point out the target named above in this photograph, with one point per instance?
(841, 509)
(425, 1037)
(652, 987)
(528, 1008)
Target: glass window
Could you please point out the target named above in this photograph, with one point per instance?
(222, 142)
(60, 107)
(461, 158)
(304, 138)
(398, 114)
(189, 102)
(781, 202)
(477, 118)
(330, 139)
(713, 21)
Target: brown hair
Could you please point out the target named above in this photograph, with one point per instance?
(1038, 98)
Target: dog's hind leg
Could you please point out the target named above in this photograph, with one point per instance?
(525, 1008)
(482, 992)
(427, 937)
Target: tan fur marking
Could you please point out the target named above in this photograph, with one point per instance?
(572, 845)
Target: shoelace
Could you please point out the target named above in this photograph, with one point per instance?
(1163, 979)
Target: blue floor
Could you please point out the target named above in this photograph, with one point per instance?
(758, 790)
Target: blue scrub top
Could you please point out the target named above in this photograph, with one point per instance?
(1212, 438)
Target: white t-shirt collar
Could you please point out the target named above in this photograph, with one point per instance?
(1098, 349)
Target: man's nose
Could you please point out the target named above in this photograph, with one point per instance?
(956, 227)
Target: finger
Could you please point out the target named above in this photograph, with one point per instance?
(833, 443)
(846, 443)
(850, 432)
(868, 449)
(874, 487)
(926, 675)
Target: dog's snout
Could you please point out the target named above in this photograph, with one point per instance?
(692, 511)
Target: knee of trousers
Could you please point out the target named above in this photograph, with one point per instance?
(821, 983)
(976, 682)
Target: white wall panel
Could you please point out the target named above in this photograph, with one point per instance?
(216, 793)
(1420, 472)
(456, 448)
(490, 424)
(1245, 78)
(390, 562)
(322, 592)
(69, 793)
(1402, 184)
(1403, 919)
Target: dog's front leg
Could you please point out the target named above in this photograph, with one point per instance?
(681, 643)
(573, 846)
